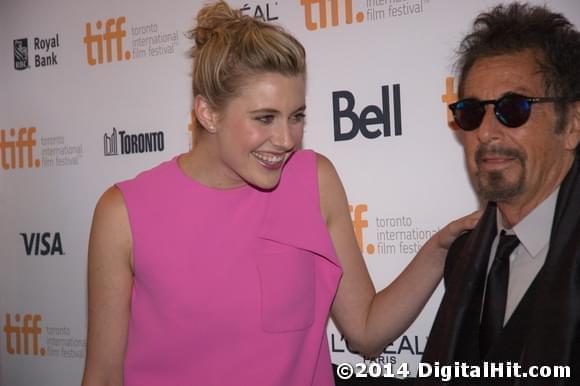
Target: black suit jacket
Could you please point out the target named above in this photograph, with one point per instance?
(545, 327)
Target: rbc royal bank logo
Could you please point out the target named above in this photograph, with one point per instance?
(21, 54)
(43, 52)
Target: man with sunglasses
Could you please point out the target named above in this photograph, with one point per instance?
(513, 283)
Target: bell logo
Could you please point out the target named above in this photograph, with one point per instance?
(370, 115)
(358, 224)
(114, 32)
(42, 244)
(13, 146)
(338, 8)
(23, 337)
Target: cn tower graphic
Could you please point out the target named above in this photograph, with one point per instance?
(110, 143)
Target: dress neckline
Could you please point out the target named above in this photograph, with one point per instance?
(192, 181)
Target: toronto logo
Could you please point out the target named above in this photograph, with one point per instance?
(121, 142)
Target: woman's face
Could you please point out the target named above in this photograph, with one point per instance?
(258, 130)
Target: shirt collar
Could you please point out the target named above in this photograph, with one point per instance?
(534, 230)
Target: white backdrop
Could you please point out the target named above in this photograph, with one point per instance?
(91, 92)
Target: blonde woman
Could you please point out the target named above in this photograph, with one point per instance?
(221, 266)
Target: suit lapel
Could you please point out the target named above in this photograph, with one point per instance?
(455, 332)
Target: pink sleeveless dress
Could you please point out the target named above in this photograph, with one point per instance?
(231, 287)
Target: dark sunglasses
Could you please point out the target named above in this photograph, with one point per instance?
(512, 110)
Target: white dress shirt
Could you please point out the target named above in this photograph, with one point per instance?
(527, 259)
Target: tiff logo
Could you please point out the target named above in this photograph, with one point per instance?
(23, 335)
(13, 147)
(21, 54)
(42, 243)
(359, 223)
(338, 8)
(102, 42)
(449, 97)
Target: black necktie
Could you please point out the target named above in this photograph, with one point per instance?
(496, 293)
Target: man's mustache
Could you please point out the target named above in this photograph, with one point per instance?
(495, 150)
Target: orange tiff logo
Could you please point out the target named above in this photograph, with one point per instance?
(449, 97)
(359, 223)
(18, 147)
(338, 8)
(103, 42)
(23, 335)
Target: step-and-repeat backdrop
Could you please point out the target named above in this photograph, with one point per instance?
(92, 92)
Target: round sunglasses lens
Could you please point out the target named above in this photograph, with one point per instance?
(468, 114)
(512, 110)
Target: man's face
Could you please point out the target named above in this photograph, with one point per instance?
(521, 165)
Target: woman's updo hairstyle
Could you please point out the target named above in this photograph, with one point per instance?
(230, 48)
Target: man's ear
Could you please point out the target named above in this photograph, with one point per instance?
(205, 114)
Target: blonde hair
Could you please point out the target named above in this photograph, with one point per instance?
(230, 48)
